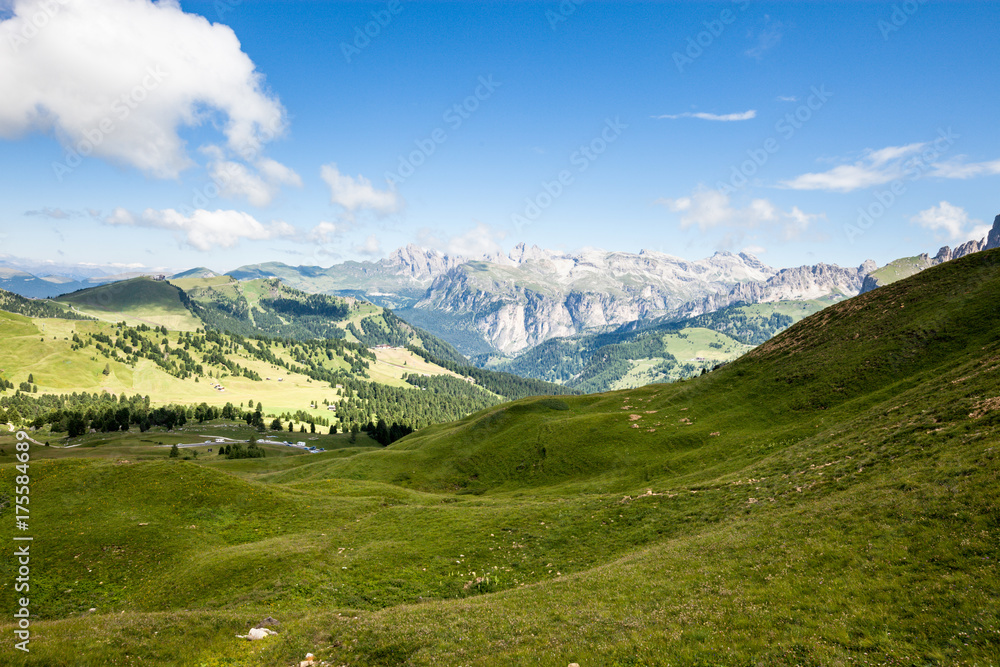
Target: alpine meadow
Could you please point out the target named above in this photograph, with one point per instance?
(475, 334)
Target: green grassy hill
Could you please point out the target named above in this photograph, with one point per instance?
(828, 499)
(15, 303)
(270, 307)
(197, 272)
(136, 301)
(900, 269)
(305, 379)
(62, 358)
(370, 280)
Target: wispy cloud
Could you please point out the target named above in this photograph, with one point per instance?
(875, 168)
(708, 209)
(787, 98)
(890, 163)
(372, 247)
(952, 223)
(477, 242)
(54, 213)
(259, 184)
(325, 232)
(766, 38)
(358, 194)
(729, 117)
(205, 230)
(960, 169)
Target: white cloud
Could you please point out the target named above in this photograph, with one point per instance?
(797, 223)
(54, 213)
(708, 209)
(958, 168)
(891, 163)
(205, 230)
(729, 117)
(787, 98)
(705, 208)
(950, 222)
(118, 78)
(237, 180)
(979, 232)
(480, 241)
(371, 246)
(768, 38)
(754, 250)
(875, 168)
(325, 232)
(275, 172)
(355, 194)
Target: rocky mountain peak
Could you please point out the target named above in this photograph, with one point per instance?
(993, 240)
(521, 253)
(753, 262)
(943, 255)
(422, 263)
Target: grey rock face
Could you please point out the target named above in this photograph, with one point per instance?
(993, 240)
(804, 282)
(539, 294)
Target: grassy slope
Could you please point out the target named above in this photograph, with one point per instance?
(829, 499)
(43, 348)
(226, 288)
(900, 269)
(688, 346)
(136, 301)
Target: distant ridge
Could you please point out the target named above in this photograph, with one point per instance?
(197, 272)
(908, 266)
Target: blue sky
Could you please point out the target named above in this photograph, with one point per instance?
(682, 127)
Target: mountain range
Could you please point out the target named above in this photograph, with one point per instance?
(496, 307)
(503, 305)
(907, 266)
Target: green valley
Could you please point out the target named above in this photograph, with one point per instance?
(829, 498)
(151, 338)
